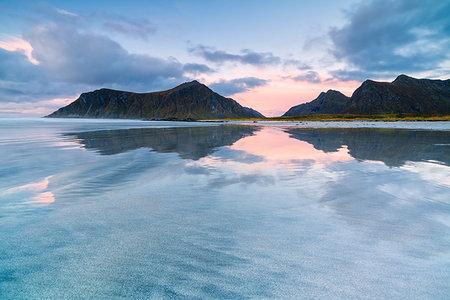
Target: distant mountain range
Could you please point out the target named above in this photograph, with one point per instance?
(191, 100)
(404, 95)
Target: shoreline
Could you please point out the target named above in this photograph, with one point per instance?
(139, 123)
(347, 118)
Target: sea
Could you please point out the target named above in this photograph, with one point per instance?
(125, 209)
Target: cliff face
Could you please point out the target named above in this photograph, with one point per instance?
(331, 102)
(403, 95)
(191, 100)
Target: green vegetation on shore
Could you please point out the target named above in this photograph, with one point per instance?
(347, 117)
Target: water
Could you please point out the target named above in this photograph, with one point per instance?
(129, 209)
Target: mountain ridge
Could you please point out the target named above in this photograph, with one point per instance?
(405, 94)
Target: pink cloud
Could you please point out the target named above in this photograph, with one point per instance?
(20, 45)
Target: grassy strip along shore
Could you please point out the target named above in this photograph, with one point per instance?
(387, 117)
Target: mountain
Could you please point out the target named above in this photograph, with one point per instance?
(190, 100)
(403, 95)
(327, 103)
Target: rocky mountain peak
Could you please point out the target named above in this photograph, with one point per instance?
(403, 79)
(192, 85)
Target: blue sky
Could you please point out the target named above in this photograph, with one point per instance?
(269, 55)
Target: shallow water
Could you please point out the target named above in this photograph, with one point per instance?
(129, 209)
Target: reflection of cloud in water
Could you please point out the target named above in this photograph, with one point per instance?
(405, 205)
(44, 198)
(435, 173)
(395, 205)
(39, 187)
(196, 170)
(66, 145)
(242, 156)
(113, 173)
(381, 203)
(242, 179)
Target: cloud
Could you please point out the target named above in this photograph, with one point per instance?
(22, 46)
(196, 69)
(310, 76)
(246, 56)
(65, 12)
(69, 55)
(238, 85)
(135, 27)
(359, 75)
(296, 63)
(386, 37)
(142, 28)
(15, 66)
(21, 81)
(42, 12)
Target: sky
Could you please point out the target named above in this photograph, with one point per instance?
(268, 55)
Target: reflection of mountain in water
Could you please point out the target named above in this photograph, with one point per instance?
(393, 147)
(188, 142)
